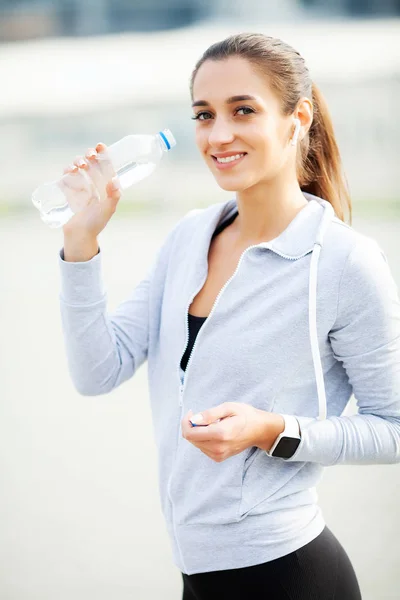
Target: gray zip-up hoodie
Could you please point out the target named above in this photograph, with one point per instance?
(306, 320)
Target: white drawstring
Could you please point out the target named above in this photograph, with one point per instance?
(312, 312)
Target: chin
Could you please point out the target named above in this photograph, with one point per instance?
(233, 184)
(228, 188)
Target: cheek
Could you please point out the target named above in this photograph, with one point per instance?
(268, 152)
(258, 135)
(268, 134)
(201, 138)
(270, 147)
(281, 135)
(264, 144)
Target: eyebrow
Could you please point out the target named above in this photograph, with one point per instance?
(230, 100)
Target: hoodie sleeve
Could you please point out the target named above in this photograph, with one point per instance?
(366, 340)
(104, 350)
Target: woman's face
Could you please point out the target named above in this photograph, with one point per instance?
(240, 130)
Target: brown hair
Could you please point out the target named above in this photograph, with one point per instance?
(319, 166)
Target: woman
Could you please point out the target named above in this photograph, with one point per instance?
(293, 312)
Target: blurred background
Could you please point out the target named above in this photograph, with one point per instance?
(79, 508)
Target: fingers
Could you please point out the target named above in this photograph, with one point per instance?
(114, 186)
(113, 191)
(80, 163)
(206, 417)
(91, 155)
(97, 165)
(70, 169)
(100, 168)
(200, 434)
(101, 147)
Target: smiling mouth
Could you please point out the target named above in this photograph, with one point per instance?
(222, 161)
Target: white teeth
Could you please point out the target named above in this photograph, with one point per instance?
(229, 158)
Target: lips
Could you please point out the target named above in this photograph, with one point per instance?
(227, 159)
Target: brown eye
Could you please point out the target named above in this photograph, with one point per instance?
(245, 108)
(202, 116)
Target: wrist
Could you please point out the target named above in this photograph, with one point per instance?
(79, 248)
(270, 425)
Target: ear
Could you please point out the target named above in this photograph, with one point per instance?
(304, 113)
(295, 135)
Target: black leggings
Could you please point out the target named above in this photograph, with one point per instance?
(320, 570)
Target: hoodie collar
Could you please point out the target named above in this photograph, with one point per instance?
(299, 237)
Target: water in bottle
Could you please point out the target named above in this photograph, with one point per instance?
(132, 158)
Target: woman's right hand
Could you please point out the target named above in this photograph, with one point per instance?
(101, 194)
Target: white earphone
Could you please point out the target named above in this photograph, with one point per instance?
(296, 132)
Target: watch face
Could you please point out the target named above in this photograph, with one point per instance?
(287, 447)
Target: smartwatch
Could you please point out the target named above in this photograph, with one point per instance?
(288, 440)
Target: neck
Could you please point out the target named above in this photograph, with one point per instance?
(266, 210)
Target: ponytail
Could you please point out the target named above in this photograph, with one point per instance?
(320, 171)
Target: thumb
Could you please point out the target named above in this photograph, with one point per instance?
(212, 415)
(113, 189)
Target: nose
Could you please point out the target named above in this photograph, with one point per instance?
(221, 133)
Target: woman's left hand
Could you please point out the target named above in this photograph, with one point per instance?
(240, 426)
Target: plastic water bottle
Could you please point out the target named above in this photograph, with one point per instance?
(132, 158)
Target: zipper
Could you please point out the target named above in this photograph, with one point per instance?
(182, 386)
(262, 245)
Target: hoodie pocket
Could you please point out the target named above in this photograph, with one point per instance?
(203, 491)
(263, 477)
(251, 456)
(256, 481)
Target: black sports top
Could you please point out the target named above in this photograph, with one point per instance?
(195, 323)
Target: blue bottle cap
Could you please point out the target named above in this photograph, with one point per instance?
(167, 138)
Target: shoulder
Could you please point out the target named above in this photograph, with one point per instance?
(340, 239)
(364, 273)
(355, 267)
(183, 234)
(351, 247)
(196, 220)
(185, 223)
